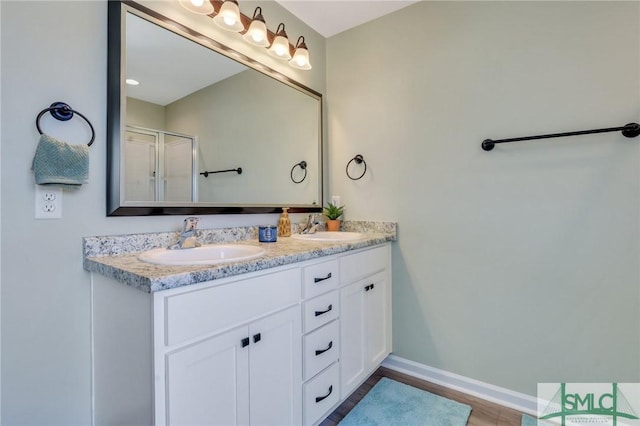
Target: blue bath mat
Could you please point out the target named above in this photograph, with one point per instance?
(527, 420)
(390, 403)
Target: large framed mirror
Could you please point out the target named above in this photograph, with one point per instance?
(206, 130)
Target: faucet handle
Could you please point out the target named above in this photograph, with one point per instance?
(190, 223)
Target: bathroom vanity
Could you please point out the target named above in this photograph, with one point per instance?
(278, 339)
(281, 339)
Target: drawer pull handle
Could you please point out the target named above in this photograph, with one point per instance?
(369, 287)
(321, 351)
(321, 398)
(317, 280)
(318, 313)
(245, 342)
(257, 338)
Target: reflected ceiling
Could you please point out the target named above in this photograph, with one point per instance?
(155, 56)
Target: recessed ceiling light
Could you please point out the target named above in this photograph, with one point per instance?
(132, 82)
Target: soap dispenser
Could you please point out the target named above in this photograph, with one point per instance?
(284, 224)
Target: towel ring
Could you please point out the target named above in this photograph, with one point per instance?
(63, 112)
(303, 166)
(359, 160)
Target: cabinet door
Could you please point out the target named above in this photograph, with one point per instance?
(377, 320)
(275, 369)
(352, 336)
(208, 383)
(365, 329)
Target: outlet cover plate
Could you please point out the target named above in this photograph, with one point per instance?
(48, 202)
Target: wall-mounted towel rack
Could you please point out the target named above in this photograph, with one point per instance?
(63, 112)
(303, 166)
(206, 174)
(630, 130)
(359, 159)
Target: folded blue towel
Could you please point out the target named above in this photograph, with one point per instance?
(58, 163)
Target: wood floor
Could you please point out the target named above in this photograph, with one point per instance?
(483, 413)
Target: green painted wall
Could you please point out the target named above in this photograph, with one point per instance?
(520, 265)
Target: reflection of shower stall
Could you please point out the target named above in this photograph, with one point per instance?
(159, 166)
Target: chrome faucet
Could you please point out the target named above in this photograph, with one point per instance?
(188, 235)
(310, 226)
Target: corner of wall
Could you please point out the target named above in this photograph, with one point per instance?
(0, 227)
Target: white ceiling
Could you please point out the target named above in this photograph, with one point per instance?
(330, 17)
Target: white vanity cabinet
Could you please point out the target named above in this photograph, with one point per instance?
(281, 346)
(365, 315)
(333, 368)
(321, 339)
(231, 352)
(248, 375)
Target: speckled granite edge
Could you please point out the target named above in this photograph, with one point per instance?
(126, 267)
(111, 245)
(367, 227)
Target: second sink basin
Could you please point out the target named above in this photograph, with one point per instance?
(329, 236)
(204, 255)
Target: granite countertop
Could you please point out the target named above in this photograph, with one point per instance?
(117, 256)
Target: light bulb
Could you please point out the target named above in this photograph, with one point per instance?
(228, 17)
(280, 46)
(301, 56)
(257, 32)
(202, 7)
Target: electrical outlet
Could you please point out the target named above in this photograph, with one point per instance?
(49, 196)
(48, 202)
(335, 200)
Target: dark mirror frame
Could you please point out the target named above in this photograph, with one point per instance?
(114, 122)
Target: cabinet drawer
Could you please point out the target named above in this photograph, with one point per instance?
(199, 312)
(320, 349)
(320, 278)
(320, 310)
(358, 265)
(321, 394)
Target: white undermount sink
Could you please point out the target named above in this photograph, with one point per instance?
(204, 255)
(329, 236)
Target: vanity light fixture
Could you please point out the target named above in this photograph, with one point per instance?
(300, 58)
(280, 46)
(202, 7)
(228, 17)
(257, 32)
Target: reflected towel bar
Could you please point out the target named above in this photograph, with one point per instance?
(238, 170)
(303, 166)
(630, 130)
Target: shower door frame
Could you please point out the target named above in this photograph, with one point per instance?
(160, 158)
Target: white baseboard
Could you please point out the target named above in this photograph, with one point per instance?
(506, 397)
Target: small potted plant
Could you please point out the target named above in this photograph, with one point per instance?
(332, 213)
